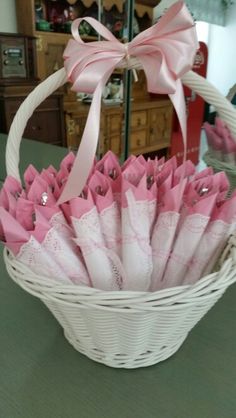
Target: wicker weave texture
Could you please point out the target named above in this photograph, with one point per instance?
(122, 329)
(217, 165)
(125, 329)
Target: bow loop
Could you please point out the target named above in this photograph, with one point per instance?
(165, 52)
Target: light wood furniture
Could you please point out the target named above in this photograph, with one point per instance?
(151, 125)
(151, 118)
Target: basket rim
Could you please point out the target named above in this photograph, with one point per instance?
(49, 290)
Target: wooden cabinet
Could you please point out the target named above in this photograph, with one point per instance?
(151, 126)
(50, 50)
(47, 122)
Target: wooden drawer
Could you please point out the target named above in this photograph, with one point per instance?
(160, 125)
(139, 119)
(114, 123)
(80, 125)
(115, 144)
(138, 139)
(51, 103)
(44, 127)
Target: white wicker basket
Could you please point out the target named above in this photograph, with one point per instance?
(122, 329)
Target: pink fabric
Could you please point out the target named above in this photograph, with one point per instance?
(127, 162)
(134, 172)
(10, 192)
(187, 240)
(204, 173)
(25, 211)
(37, 188)
(14, 234)
(136, 248)
(164, 233)
(187, 169)
(169, 47)
(50, 178)
(216, 234)
(81, 205)
(29, 175)
(101, 191)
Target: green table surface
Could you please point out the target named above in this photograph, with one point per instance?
(42, 376)
(34, 152)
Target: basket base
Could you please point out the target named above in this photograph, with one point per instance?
(125, 361)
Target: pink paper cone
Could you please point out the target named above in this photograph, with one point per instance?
(212, 242)
(108, 211)
(29, 176)
(136, 248)
(99, 260)
(164, 233)
(62, 249)
(187, 241)
(9, 194)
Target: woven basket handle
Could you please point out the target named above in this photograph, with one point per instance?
(192, 80)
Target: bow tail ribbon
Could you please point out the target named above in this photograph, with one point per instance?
(166, 51)
(178, 101)
(88, 146)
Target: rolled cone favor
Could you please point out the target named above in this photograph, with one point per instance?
(187, 240)
(104, 267)
(61, 248)
(164, 233)
(28, 250)
(108, 211)
(212, 241)
(136, 247)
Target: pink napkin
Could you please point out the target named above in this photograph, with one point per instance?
(29, 176)
(110, 167)
(58, 243)
(206, 186)
(164, 232)
(98, 259)
(108, 211)
(213, 240)
(223, 218)
(9, 194)
(129, 161)
(65, 168)
(28, 250)
(186, 169)
(136, 248)
(187, 240)
(208, 171)
(40, 192)
(133, 172)
(50, 178)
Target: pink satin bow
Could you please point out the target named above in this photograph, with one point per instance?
(165, 51)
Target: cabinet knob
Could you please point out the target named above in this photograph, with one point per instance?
(138, 121)
(138, 143)
(151, 131)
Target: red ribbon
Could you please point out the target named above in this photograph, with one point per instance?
(165, 51)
